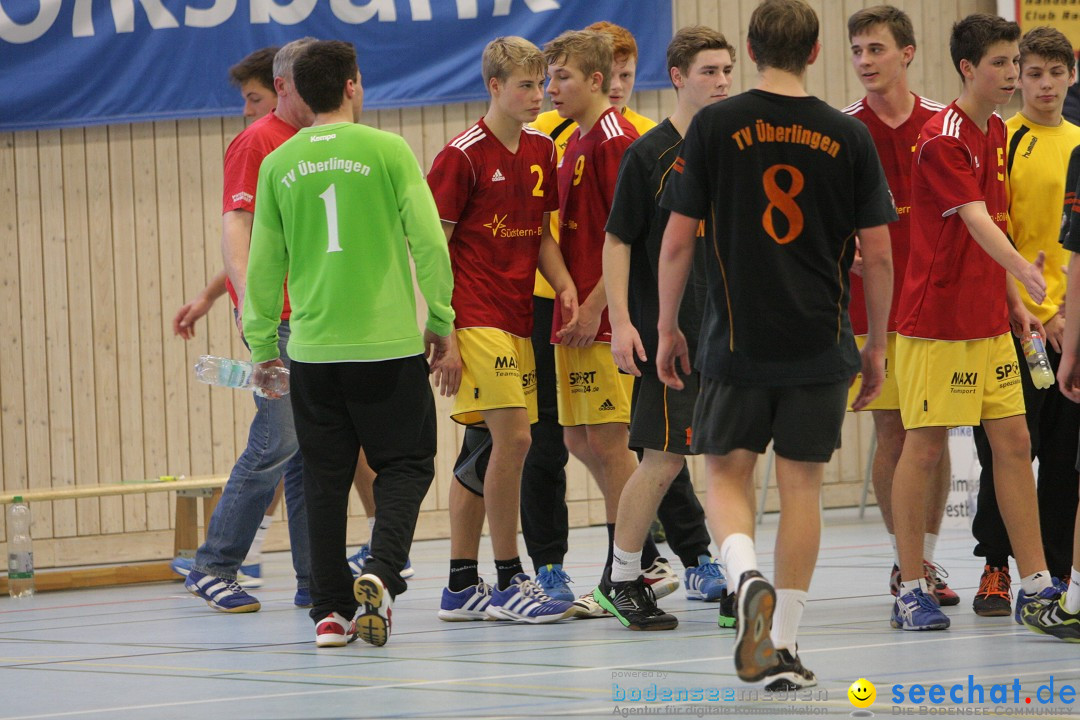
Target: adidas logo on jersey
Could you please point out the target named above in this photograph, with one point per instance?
(607, 406)
(498, 176)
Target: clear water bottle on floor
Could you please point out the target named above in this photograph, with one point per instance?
(1042, 375)
(240, 374)
(20, 551)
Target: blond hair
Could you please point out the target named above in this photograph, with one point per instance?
(591, 51)
(505, 54)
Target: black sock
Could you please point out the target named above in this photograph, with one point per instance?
(998, 562)
(649, 552)
(463, 574)
(507, 569)
(610, 544)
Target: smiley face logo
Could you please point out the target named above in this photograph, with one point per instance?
(862, 693)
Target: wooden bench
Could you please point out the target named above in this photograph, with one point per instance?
(186, 534)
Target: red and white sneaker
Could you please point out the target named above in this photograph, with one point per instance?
(945, 595)
(661, 577)
(334, 631)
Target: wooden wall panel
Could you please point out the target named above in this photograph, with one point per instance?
(106, 231)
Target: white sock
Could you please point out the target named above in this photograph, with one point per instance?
(906, 587)
(1035, 582)
(789, 610)
(1072, 598)
(254, 555)
(929, 544)
(739, 556)
(895, 554)
(370, 527)
(625, 566)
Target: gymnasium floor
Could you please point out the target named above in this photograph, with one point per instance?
(153, 651)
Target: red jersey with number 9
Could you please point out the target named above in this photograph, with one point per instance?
(587, 175)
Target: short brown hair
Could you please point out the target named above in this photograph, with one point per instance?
(503, 54)
(689, 42)
(973, 36)
(259, 66)
(622, 42)
(320, 72)
(590, 50)
(893, 18)
(782, 34)
(1049, 44)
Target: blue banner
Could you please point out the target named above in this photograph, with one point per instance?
(68, 63)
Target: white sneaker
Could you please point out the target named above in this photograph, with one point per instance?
(586, 607)
(661, 577)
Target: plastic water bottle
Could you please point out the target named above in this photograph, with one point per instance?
(240, 374)
(1042, 375)
(20, 551)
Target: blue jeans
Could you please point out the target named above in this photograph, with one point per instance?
(272, 450)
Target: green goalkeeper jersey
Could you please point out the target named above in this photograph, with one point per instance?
(340, 209)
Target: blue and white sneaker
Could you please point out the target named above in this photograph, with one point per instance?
(705, 582)
(1045, 596)
(248, 576)
(917, 611)
(525, 601)
(358, 559)
(555, 581)
(220, 593)
(464, 605)
(302, 598)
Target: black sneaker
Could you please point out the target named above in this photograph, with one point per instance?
(633, 603)
(726, 618)
(755, 655)
(994, 598)
(789, 674)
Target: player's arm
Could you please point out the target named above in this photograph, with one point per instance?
(1068, 375)
(877, 273)
(430, 252)
(991, 239)
(676, 259)
(235, 248)
(1022, 320)
(266, 266)
(184, 321)
(625, 340)
(553, 268)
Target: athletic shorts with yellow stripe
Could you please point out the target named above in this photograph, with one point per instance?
(956, 383)
(590, 388)
(889, 399)
(498, 371)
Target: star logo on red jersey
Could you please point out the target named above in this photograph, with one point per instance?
(497, 223)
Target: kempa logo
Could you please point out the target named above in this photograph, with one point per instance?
(323, 138)
(606, 406)
(497, 223)
(498, 176)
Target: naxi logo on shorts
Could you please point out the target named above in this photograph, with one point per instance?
(964, 383)
(505, 365)
(606, 406)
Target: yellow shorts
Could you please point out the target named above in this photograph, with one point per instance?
(957, 383)
(498, 371)
(889, 399)
(590, 387)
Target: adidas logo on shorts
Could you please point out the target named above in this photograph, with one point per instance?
(498, 176)
(607, 405)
